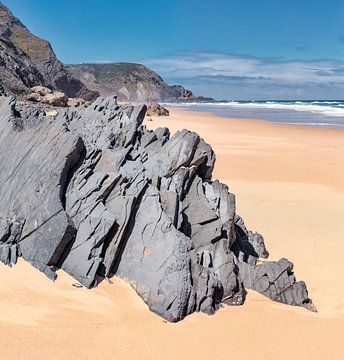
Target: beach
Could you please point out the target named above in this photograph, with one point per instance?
(289, 186)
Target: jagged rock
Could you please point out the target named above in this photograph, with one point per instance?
(276, 281)
(96, 193)
(155, 109)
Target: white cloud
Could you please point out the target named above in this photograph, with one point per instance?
(218, 64)
(264, 74)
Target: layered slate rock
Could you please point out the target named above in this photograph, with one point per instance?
(94, 192)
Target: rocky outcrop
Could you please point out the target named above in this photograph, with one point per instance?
(96, 193)
(27, 60)
(185, 95)
(154, 109)
(44, 95)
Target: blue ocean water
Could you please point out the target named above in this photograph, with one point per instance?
(329, 113)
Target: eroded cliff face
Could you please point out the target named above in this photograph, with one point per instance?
(94, 192)
(131, 82)
(27, 60)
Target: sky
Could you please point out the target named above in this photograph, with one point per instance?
(253, 49)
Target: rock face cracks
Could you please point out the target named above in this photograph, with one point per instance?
(92, 191)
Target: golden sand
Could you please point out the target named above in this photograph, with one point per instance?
(289, 185)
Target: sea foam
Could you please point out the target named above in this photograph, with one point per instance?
(328, 113)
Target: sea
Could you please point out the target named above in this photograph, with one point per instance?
(321, 113)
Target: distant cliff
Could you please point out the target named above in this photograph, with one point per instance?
(131, 82)
(27, 60)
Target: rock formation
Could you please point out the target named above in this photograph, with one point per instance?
(44, 95)
(185, 95)
(154, 109)
(94, 192)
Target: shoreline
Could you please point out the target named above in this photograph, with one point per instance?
(326, 117)
(246, 119)
(299, 143)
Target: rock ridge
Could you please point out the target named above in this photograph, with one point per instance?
(94, 192)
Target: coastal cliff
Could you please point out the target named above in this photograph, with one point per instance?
(130, 82)
(26, 60)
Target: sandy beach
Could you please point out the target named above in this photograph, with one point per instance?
(289, 186)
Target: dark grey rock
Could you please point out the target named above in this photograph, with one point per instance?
(92, 191)
(276, 280)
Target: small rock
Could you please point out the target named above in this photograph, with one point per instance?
(75, 102)
(41, 90)
(33, 97)
(55, 99)
(51, 113)
(155, 109)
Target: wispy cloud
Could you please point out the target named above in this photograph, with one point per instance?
(262, 74)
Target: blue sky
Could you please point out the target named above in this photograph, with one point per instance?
(227, 49)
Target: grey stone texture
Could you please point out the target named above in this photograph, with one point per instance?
(94, 192)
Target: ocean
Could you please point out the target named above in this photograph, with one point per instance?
(321, 113)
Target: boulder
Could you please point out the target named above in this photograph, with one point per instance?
(35, 97)
(97, 194)
(154, 109)
(41, 90)
(55, 99)
(76, 102)
(52, 112)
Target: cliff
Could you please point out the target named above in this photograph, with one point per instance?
(27, 60)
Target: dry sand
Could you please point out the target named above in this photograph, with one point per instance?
(289, 185)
